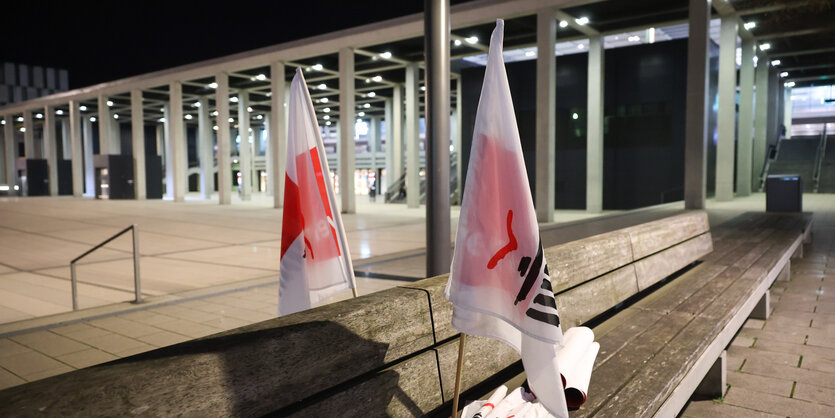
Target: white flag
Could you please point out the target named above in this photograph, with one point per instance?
(315, 263)
(499, 282)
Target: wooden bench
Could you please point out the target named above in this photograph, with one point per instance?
(394, 352)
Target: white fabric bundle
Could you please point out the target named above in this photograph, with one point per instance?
(576, 358)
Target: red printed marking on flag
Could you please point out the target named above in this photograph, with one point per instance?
(323, 192)
(511, 246)
(292, 223)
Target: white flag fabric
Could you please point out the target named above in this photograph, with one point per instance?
(499, 282)
(315, 263)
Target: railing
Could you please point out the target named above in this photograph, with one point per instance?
(821, 154)
(136, 284)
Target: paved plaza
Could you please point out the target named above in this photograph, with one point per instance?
(208, 268)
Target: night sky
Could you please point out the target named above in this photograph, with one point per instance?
(100, 41)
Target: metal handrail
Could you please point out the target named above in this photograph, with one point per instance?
(136, 283)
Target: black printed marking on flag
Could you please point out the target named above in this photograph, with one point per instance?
(544, 317)
(523, 265)
(546, 284)
(530, 279)
(545, 301)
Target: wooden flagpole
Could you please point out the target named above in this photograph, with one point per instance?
(458, 372)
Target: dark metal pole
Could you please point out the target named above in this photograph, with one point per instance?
(436, 28)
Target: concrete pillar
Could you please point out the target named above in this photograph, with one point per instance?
(594, 123)
(244, 156)
(774, 117)
(50, 148)
(459, 141)
(412, 131)
(224, 143)
(787, 110)
(373, 141)
(727, 110)
(279, 97)
(28, 135)
(115, 135)
(160, 137)
(760, 120)
(10, 154)
(66, 143)
(268, 154)
(695, 126)
(89, 170)
(397, 133)
(137, 137)
(77, 154)
(205, 149)
(745, 121)
(166, 151)
(389, 141)
(347, 111)
(179, 158)
(546, 104)
(105, 130)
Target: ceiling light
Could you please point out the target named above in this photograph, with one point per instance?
(214, 128)
(260, 77)
(92, 118)
(634, 38)
(765, 47)
(472, 40)
(212, 85)
(775, 63)
(20, 118)
(233, 99)
(456, 42)
(563, 23)
(39, 115)
(249, 109)
(188, 117)
(422, 88)
(377, 78)
(322, 86)
(214, 113)
(161, 120)
(580, 46)
(328, 123)
(789, 84)
(371, 94)
(115, 116)
(59, 112)
(784, 74)
(361, 113)
(326, 117)
(269, 94)
(582, 21)
(385, 55)
(22, 129)
(530, 53)
(162, 109)
(326, 110)
(575, 116)
(195, 104)
(259, 117)
(317, 67)
(324, 100)
(109, 103)
(2, 121)
(367, 105)
(82, 108)
(231, 120)
(749, 25)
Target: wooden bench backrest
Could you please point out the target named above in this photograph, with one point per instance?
(392, 351)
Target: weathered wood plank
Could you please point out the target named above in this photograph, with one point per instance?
(592, 298)
(660, 265)
(578, 261)
(654, 382)
(441, 310)
(618, 371)
(249, 371)
(483, 357)
(652, 237)
(673, 294)
(408, 389)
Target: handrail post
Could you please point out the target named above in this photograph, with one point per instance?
(136, 282)
(74, 287)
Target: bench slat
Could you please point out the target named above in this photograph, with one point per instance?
(660, 265)
(578, 261)
(652, 237)
(598, 296)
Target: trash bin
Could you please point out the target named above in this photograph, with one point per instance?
(784, 193)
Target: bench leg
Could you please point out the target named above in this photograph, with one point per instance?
(763, 307)
(785, 274)
(714, 383)
(798, 253)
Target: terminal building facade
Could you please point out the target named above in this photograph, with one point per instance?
(623, 114)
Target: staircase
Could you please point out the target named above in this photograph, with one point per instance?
(798, 155)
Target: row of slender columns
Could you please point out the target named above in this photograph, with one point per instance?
(594, 131)
(546, 104)
(412, 138)
(278, 132)
(224, 167)
(347, 111)
(244, 158)
(10, 150)
(50, 148)
(745, 119)
(695, 137)
(138, 140)
(727, 109)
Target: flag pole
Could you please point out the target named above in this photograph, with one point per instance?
(458, 370)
